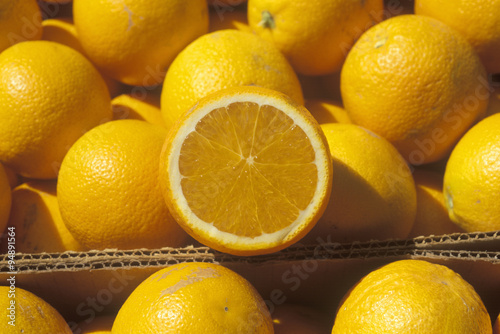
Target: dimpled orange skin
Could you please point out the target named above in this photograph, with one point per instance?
(413, 297)
(314, 35)
(135, 41)
(49, 96)
(108, 190)
(477, 20)
(32, 314)
(63, 31)
(20, 20)
(194, 297)
(416, 82)
(472, 178)
(224, 59)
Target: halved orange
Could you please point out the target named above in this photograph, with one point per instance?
(246, 171)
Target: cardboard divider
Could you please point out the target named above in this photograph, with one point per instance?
(113, 258)
(82, 285)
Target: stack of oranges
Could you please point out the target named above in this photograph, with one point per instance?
(247, 126)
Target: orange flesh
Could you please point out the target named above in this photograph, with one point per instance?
(243, 177)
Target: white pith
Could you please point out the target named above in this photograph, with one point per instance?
(225, 238)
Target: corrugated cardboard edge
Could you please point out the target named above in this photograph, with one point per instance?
(488, 241)
(480, 245)
(317, 275)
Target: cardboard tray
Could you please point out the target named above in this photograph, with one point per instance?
(82, 285)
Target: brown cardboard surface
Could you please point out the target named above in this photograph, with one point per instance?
(86, 284)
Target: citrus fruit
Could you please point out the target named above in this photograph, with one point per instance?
(63, 31)
(29, 313)
(412, 296)
(194, 298)
(477, 20)
(472, 178)
(108, 190)
(5, 198)
(127, 106)
(298, 319)
(228, 19)
(314, 35)
(20, 20)
(98, 325)
(327, 111)
(373, 194)
(135, 41)
(432, 215)
(37, 221)
(246, 171)
(49, 96)
(414, 81)
(224, 59)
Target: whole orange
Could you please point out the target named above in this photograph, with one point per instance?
(373, 192)
(477, 20)
(416, 82)
(50, 95)
(194, 297)
(315, 35)
(31, 314)
(108, 190)
(472, 178)
(412, 296)
(135, 41)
